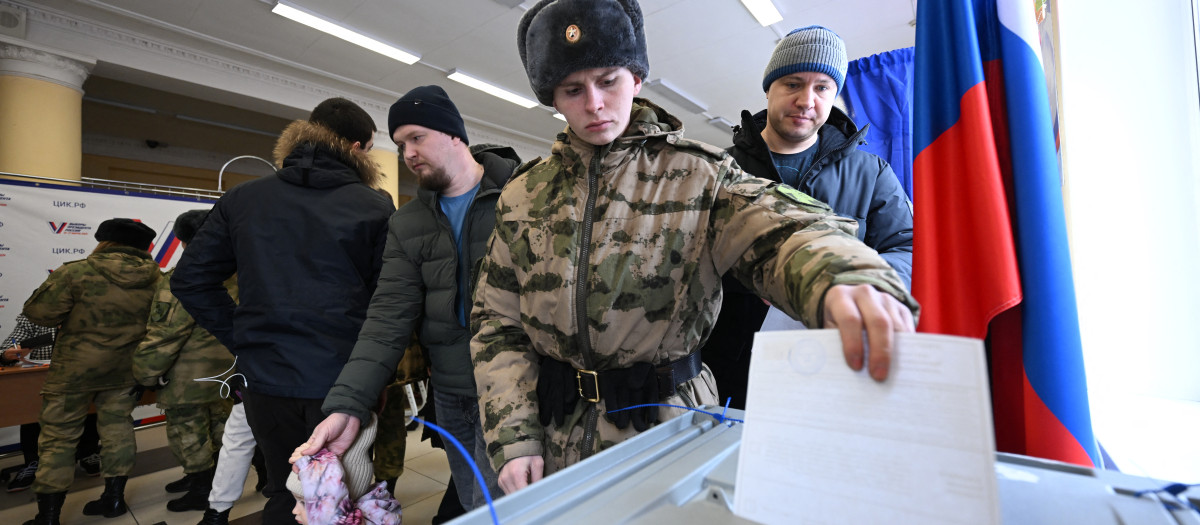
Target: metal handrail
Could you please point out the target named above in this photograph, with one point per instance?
(91, 182)
(221, 174)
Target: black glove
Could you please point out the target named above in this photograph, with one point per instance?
(557, 391)
(636, 385)
(237, 385)
(136, 391)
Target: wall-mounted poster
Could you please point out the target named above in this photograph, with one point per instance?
(44, 225)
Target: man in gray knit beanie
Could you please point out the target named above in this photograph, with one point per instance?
(802, 140)
(814, 49)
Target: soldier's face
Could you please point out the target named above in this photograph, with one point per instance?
(596, 102)
(797, 106)
(425, 152)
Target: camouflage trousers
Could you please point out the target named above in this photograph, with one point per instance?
(62, 423)
(391, 435)
(194, 433)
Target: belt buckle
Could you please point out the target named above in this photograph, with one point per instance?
(595, 382)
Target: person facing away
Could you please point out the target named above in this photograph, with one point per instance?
(603, 276)
(100, 305)
(174, 353)
(434, 242)
(306, 245)
(804, 141)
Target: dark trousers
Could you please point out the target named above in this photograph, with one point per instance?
(279, 425)
(89, 443)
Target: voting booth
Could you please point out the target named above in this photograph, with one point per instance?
(685, 471)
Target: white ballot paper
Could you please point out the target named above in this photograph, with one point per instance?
(825, 444)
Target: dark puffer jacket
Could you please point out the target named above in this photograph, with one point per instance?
(856, 184)
(307, 245)
(418, 292)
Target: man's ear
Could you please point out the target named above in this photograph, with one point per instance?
(637, 85)
(357, 146)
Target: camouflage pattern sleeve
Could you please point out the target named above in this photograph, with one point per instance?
(791, 248)
(50, 304)
(167, 330)
(506, 366)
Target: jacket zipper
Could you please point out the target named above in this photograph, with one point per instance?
(581, 296)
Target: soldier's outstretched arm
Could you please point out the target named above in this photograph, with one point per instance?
(853, 309)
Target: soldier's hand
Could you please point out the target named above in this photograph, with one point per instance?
(336, 433)
(855, 308)
(520, 472)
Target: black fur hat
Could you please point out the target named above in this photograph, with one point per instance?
(126, 231)
(559, 37)
(188, 223)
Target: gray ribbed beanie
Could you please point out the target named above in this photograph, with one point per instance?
(812, 48)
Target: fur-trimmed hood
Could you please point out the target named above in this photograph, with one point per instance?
(304, 146)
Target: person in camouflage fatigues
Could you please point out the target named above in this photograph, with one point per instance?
(607, 256)
(392, 434)
(101, 305)
(173, 355)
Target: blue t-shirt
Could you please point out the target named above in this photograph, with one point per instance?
(455, 209)
(791, 166)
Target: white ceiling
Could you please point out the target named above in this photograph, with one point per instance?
(712, 49)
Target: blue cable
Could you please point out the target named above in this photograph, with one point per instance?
(470, 461)
(1175, 490)
(721, 419)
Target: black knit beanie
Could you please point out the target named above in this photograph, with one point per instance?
(427, 106)
(126, 231)
(188, 223)
(559, 37)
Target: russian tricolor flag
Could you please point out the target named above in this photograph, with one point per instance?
(990, 242)
(166, 248)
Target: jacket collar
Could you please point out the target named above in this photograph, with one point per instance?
(302, 141)
(648, 123)
(837, 132)
(498, 162)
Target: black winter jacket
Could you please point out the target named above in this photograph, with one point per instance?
(307, 245)
(856, 184)
(418, 292)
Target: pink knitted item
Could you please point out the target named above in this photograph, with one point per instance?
(327, 500)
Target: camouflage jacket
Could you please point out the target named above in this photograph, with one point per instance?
(180, 351)
(657, 219)
(100, 304)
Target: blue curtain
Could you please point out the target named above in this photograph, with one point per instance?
(878, 91)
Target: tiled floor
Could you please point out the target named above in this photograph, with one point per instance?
(419, 490)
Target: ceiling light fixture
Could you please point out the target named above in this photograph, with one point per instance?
(764, 11)
(665, 88)
(471, 81)
(721, 123)
(286, 10)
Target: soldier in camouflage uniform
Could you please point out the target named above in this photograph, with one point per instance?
(604, 272)
(392, 435)
(174, 353)
(101, 304)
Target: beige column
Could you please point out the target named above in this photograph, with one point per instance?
(389, 167)
(41, 100)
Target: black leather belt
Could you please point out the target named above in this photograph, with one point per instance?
(669, 375)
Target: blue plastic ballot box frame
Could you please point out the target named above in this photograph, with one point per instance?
(684, 471)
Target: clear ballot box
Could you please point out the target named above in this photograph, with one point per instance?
(684, 471)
